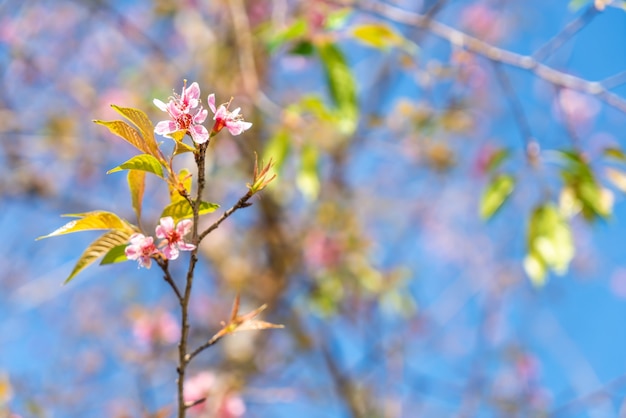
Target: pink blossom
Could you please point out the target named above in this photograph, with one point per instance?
(173, 236)
(198, 387)
(233, 121)
(141, 248)
(219, 400)
(187, 114)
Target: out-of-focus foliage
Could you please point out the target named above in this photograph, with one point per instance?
(433, 157)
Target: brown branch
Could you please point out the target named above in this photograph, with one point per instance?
(203, 347)
(242, 203)
(462, 40)
(245, 45)
(168, 278)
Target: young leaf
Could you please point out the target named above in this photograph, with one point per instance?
(137, 186)
(128, 133)
(115, 255)
(141, 121)
(182, 210)
(341, 85)
(496, 159)
(180, 148)
(536, 270)
(615, 153)
(379, 36)
(91, 221)
(617, 177)
(297, 30)
(142, 162)
(495, 195)
(337, 19)
(97, 249)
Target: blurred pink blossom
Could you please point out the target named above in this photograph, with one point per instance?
(173, 236)
(483, 22)
(219, 403)
(151, 328)
(186, 114)
(577, 108)
(233, 121)
(321, 251)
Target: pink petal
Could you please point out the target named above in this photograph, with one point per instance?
(222, 113)
(165, 127)
(200, 116)
(132, 252)
(170, 252)
(184, 226)
(211, 101)
(183, 246)
(199, 134)
(165, 227)
(236, 128)
(192, 94)
(160, 104)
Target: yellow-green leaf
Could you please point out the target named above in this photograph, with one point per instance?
(137, 186)
(180, 148)
(128, 133)
(615, 153)
(184, 177)
(617, 177)
(308, 179)
(496, 159)
(296, 30)
(182, 210)
(90, 221)
(116, 254)
(141, 121)
(496, 193)
(341, 85)
(97, 249)
(536, 270)
(142, 162)
(277, 148)
(379, 36)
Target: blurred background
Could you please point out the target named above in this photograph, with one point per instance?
(444, 238)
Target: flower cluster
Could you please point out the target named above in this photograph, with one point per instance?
(143, 249)
(187, 115)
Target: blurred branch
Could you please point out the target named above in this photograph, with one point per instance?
(566, 33)
(530, 144)
(503, 56)
(598, 395)
(243, 35)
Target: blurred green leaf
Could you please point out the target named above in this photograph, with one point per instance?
(90, 221)
(142, 162)
(379, 36)
(115, 255)
(137, 186)
(308, 179)
(615, 153)
(97, 249)
(496, 193)
(337, 19)
(277, 148)
(341, 85)
(304, 48)
(535, 269)
(617, 177)
(497, 158)
(296, 30)
(550, 242)
(575, 5)
(182, 210)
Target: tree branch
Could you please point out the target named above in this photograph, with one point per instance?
(242, 203)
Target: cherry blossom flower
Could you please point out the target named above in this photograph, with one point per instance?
(233, 121)
(141, 248)
(187, 114)
(173, 236)
(220, 401)
(150, 328)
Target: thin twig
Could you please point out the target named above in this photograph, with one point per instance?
(242, 203)
(591, 397)
(203, 347)
(168, 278)
(194, 403)
(503, 56)
(571, 29)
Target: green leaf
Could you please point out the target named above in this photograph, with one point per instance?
(90, 221)
(379, 36)
(128, 133)
(137, 186)
(341, 85)
(142, 162)
(496, 193)
(337, 19)
(116, 254)
(575, 5)
(277, 149)
(496, 159)
(180, 148)
(296, 30)
(182, 210)
(97, 249)
(550, 242)
(141, 121)
(536, 270)
(615, 153)
(308, 179)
